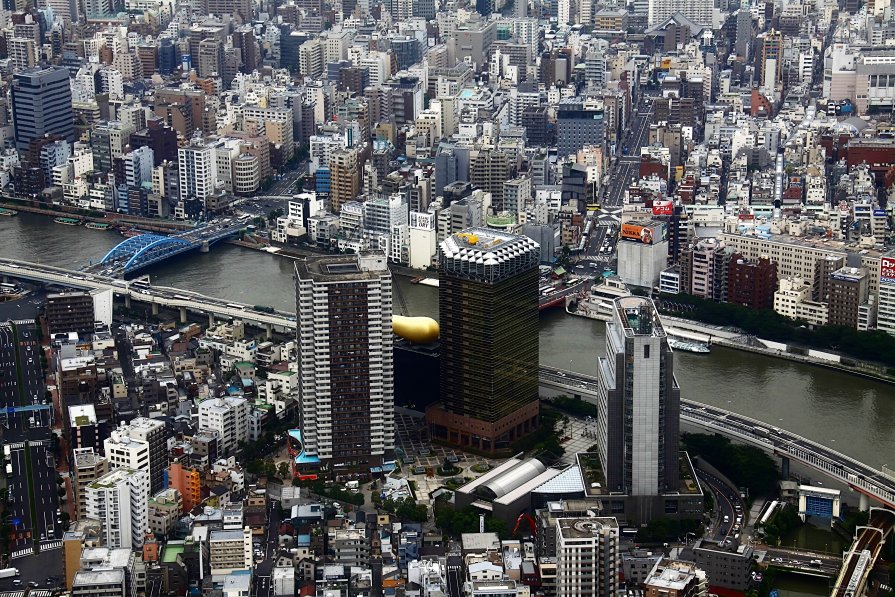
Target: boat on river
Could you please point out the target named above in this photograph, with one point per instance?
(688, 346)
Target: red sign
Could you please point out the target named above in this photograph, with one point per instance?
(887, 270)
(663, 208)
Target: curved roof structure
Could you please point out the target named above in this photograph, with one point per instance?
(509, 480)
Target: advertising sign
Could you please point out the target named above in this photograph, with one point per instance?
(663, 208)
(887, 270)
(879, 213)
(638, 232)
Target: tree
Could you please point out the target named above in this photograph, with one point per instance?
(283, 470)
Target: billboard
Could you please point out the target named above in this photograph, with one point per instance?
(887, 270)
(663, 208)
(879, 213)
(646, 233)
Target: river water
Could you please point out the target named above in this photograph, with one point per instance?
(846, 413)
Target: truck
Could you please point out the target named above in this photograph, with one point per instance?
(263, 308)
(8, 469)
(9, 572)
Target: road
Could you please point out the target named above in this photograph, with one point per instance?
(727, 503)
(27, 439)
(263, 587)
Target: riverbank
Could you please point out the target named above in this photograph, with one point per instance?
(59, 211)
(739, 340)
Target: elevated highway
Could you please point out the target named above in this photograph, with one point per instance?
(157, 296)
(864, 479)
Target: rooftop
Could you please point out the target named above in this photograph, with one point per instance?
(639, 317)
(342, 268)
(585, 528)
(672, 574)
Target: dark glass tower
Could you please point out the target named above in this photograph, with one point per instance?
(488, 304)
(41, 105)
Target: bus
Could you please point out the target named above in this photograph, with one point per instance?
(235, 306)
(7, 288)
(140, 284)
(594, 207)
(181, 297)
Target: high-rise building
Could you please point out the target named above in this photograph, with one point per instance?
(578, 123)
(488, 306)
(344, 177)
(771, 63)
(230, 550)
(587, 557)
(229, 417)
(885, 319)
(42, 105)
(345, 359)
(154, 434)
(70, 312)
(119, 501)
(849, 289)
(89, 466)
(197, 171)
(638, 423)
(697, 11)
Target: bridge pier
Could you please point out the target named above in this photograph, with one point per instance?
(863, 502)
(127, 301)
(183, 315)
(211, 320)
(204, 247)
(784, 467)
(269, 329)
(155, 308)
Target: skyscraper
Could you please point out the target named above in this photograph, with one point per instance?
(488, 305)
(638, 422)
(346, 375)
(41, 105)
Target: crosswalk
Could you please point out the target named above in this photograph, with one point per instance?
(16, 446)
(21, 553)
(45, 546)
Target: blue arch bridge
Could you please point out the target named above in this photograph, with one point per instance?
(144, 250)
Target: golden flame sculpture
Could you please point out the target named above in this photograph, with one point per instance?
(419, 330)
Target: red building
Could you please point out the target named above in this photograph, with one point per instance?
(751, 283)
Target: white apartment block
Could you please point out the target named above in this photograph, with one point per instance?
(198, 171)
(125, 451)
(346, 387)
(587, 557)
(230, 551)
(793, 300)
(229, 417)
(119, 501)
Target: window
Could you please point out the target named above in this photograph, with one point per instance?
(646, 351)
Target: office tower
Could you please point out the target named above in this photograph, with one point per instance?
(119, 501)
(771, 60)
(89, 466)
(638, 423)
(41, 105)
(70, 312)
(345, 359)
(587, 557)
(344, 177)
(849, 291)
(488, 306)
(578, 123)
(229, 417)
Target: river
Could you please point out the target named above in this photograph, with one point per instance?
(846, 413)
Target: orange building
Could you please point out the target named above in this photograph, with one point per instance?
(188, 482)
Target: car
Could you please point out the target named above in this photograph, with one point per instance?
(33, 584)
(16, 582)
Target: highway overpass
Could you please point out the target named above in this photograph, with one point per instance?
(157, 296)
(867, 481)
